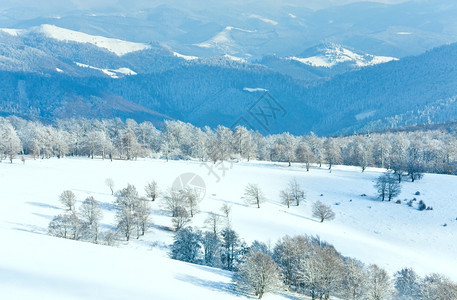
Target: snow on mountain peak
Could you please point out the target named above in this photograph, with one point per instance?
(118, 47)
(336, 54)
(13, 32)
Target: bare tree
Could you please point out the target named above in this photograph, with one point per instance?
(91, 214)
(285, 197)
(387, 186)
(253, 194)
(260, 274)
(68, 200)
(142, 213)
(65, 226)
(354, 280)
(437, 287)
(151, 190)
(109, 182)
(322, 211)
(191, 199)
(127, 201)
(296, 192)
(181, 218)
(379, 284)
(172, 200)
(226, 210)
(213, 221)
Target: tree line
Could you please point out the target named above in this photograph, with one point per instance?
(407, 154)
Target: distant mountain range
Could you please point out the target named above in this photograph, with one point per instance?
(233, 74)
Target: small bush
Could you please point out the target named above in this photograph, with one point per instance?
(398, 201)
(421, 205)
(417, 193)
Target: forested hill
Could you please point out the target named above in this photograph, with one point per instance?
(413, 90)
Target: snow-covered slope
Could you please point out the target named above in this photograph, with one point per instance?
(119, 47)
(334, 54)
(32, 263)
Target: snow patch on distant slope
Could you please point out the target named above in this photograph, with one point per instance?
(222, 40)
(337, 54)
(186, 57)
(234, 58)
(253, 90)
(119, 47)
(269, 21)
(113, 73)
(13, 32)
(292, 16)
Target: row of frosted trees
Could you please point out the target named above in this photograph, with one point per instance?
(406, 153)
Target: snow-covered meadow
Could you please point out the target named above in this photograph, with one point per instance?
(33, 263)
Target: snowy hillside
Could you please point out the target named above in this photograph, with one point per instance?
(391, 235)
(119, 47)
(334, 54)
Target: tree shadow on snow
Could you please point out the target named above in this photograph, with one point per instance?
(217, 286)
(107, 206)
(44, 205)
(28, 228)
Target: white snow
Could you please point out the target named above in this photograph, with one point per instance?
(119, 47)
(365, 114)
(404, 33)
(13, 32)
(33, 264)
(253, 90)
(186, 57)
(265, 20)
(337, 54)
(113, 73)
(59, 70)
(292, 16)
(235, 58)
(222, 40)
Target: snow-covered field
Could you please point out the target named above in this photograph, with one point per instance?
(32, 263)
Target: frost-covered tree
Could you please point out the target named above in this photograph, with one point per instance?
(354, 280)
(379, 284)
(152, 190)
(259, 274)
(211, 247)
(65, 226)
(181, 218)
(90, 214)
(332, 152)
(187, 245)
(253, 194)
(304, 154)
(127, 201)
(407, 284)
(142, 214)
(285, 197)
(320, 271)
(230, 244)
(213, 221)
(68, 200)
(296, 192)
(172, 200)
(191, 198)
(322, 211)
(437, 287)
(10, 144)
(130, 148)
(109, 182)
